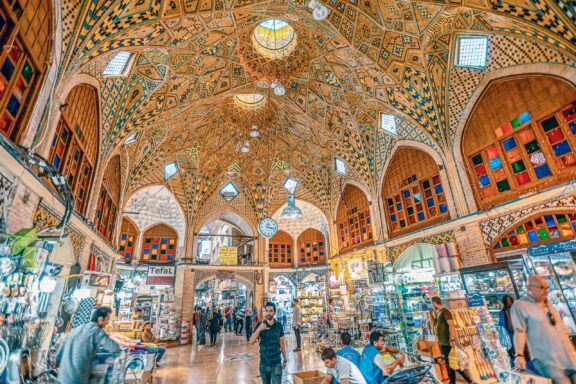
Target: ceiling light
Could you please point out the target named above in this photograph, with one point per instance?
(291, 211)
(319, 11)
(245, 147)
(279, 89)
(254, 132)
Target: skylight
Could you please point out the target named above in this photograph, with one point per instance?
(274, 39)
(472, 52)
(290, 185)
(339, 166)
(388, 123)
(131, 138)
(117, 66)
(229, 191)
(170, 170)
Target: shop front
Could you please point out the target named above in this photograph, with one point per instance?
(282, 290)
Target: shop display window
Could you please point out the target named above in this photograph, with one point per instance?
(311, 245)
(280, 252)
(554, 226)
(75, 142)
(159, 244)
(516, 151)
(354, 223)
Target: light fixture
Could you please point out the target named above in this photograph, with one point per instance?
(319, 11)
(254, 132)
(291, 211)
(279, 89)
(245, 147)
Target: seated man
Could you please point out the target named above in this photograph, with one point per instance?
(372, 364)
(347, 351)
(340, 369)
(148, 337)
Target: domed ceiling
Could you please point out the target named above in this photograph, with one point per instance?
(199, 82)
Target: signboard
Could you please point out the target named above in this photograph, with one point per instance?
(357, 269)
(228, 256)
(94, 279)
(475, 300)
(552, 248)
(160, 275)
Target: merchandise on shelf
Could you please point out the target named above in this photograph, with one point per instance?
(312, 297)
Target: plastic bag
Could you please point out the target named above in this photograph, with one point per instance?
(453, 359)
(463, 358)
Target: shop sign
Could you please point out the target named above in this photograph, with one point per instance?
(474, 300)
(228, 256)
(551, 248)
(357, 269)
(160, 275)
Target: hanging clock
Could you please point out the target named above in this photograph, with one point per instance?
(267, 227)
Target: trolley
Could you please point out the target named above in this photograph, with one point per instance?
(417, 372)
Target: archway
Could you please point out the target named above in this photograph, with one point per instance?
(311, 248)
(281, 250)
(353, 220)
(159, 244)
(282, 291)
(225, 239)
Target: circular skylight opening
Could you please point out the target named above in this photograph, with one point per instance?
(249, 100)
(274, 38)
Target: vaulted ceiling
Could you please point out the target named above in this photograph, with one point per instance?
(192, 57)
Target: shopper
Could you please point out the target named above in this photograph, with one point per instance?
(195, 322)
(372, 365)
(202, 325)
(505, 321)
(538, 323)
(148, 337)
(340, 369)
(137, 315)
(228, 317)
(446, 334)
(347, 351)
(330, 318)
(240, 314)
(74, 358)
(248, 322)
(281, 316)
(271, 336)
(284, 318)
(235, 318)
(296, 324)
(214, 325)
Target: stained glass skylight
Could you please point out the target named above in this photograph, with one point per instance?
(117, 66)
(170, 170)
(274, 39)
(388, 123)
(339, 166)
(249, 100)
(290, 185)
(472, 52)
(229, 191)
(131, 138)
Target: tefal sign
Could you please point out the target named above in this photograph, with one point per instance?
(160, 275)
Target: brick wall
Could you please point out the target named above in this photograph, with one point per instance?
(471, 245)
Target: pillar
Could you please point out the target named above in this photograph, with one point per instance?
(184, 286)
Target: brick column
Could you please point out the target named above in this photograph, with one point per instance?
(184, 293)
(471, 245)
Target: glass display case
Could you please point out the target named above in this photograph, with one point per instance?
(492, 282)
(560, 272)
(450, 285)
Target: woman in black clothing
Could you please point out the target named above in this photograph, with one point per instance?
(214, 325)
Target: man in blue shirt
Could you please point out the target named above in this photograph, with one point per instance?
(372, 364)
(347, 351)
(272, 349)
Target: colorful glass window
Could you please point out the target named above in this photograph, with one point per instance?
(280, 250)
(157, 248)
(126, 246)
(105, 215)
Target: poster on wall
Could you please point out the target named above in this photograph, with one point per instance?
(228, 256)
(160, 275)
(357, 269)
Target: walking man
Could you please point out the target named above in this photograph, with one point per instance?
(228, 319)
(272, 349)
(446, 337)
(296, 324)
(538, 323)
(240, 314)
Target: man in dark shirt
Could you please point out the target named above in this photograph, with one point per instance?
(272, 349)
(446, 336)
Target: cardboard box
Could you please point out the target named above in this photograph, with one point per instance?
(309, 377)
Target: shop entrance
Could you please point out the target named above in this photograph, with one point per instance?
(282, 292)
(222, 293)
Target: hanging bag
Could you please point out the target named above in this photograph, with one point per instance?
(453, 359)
(463, 358)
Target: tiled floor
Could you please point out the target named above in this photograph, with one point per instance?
(231, 361)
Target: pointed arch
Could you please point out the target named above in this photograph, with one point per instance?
(281, 250)
(353, 219)
(312, 247)
(159, 244)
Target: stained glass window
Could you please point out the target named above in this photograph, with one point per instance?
(126, 246)
(158, 248)
(312, 248)
(538, 229)
(274, 39)
(280, 250)
(353, 221)
(105, 214)
(250, 100)
(526, 152)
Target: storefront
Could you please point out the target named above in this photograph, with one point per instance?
(312, 296)
(282, 291)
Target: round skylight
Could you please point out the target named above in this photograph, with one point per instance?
(249, 100)
(274, 39)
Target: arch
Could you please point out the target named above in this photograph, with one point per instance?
(416, 253)
(312, 247)
(353, 219)
(232, 215)
(281, 252)
(159, 244)
(212, 276)
(561, 71)
(525, 145)
(356, 184)
(128, 240)
(414, 193)
(313, 217)
(546, 226)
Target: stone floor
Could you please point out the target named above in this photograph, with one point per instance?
(231, 361)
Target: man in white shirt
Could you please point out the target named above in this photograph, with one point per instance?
(340, 369)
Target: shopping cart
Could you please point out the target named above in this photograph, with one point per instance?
(415, 371)
(108, 368)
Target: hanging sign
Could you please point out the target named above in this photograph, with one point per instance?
(228, 256)
(474, 300)
(160, 275)
(267, 227)
(551, 248)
